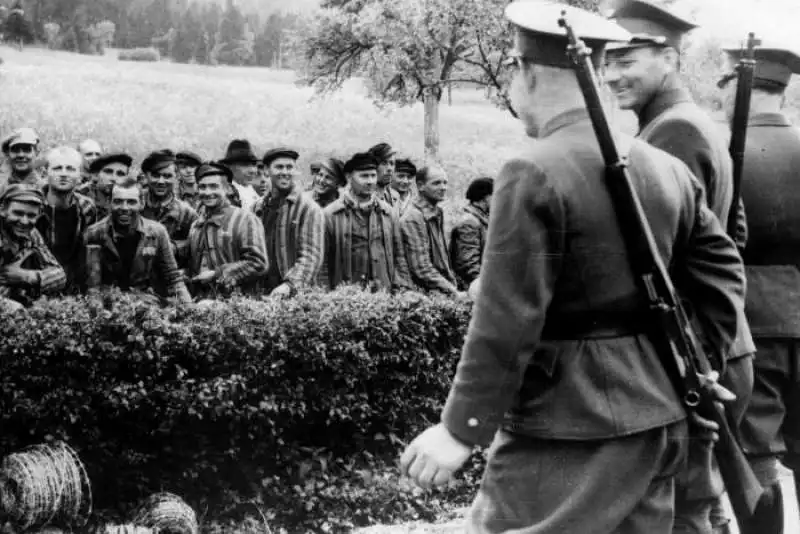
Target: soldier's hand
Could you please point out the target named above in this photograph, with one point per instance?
(205, 276)
(433, 457)
(709, 429)
(12, 275)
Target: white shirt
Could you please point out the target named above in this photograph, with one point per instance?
(247, 195)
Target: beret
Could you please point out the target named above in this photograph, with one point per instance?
(213, 168)
(479, 189)
(405, 166)
(188, 157)
(363, 161)
(157, 160)
(649, 25)
(107, 159)
(23, 193)
(382, 151)
(22, 136)
(280, 152)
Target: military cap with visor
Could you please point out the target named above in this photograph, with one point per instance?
(27, 193)
(649, 25)
(540, 40)
(280, 152)
(158, 160)
(22, 136)
(107, 159)
(774, 66)
(362, 161)
(213, 168)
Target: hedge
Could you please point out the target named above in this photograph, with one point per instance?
(300, 407)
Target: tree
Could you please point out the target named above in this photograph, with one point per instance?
(411, 50)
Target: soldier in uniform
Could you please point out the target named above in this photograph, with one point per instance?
(163, 206)
(135, 252)
(187, 163)
(558, 307)
(468, 238)
(363, 240)
(28, 269)
(403, 184)
(294, 226)
(21, 150)
(330, 178)
(386, 156)
(643, 74)
(423, 235)
(771, 426)
(106, 170)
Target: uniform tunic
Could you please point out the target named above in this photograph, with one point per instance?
(600, 397)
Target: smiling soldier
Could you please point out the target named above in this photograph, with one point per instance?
(227, 244)
(66, 214)
(294, 227)
(163, 206)
(423, 235)
(20, 149)
(27, 267)
(135, 252)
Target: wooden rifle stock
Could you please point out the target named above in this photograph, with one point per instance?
(680, 351)
(741, 113)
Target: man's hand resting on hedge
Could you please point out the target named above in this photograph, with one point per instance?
(433, 457)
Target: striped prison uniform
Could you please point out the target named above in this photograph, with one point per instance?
(426, 247)
(230, 242)
(294, 227)
(177, 217)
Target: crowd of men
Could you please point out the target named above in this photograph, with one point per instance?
(185, 229)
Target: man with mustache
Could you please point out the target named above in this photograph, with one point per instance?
(386, 158)
(330, 178)
(294, 227)
(186, 163)
(423, 235)
(363, 240)
(107, 170)
(161, 204)
(21, 150)
(644, 76)
(66, 214)
(28, 268)
(136, 253)
(243, 162)
(402, 183)
(227, 243)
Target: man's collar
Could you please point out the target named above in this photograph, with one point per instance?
(769, 119)
(215, 219)
(352, 202)
(160, 205)
(563, 120)
(292, 196)
(116, 235)
(72, 200)
(428, 208)
(670, 94)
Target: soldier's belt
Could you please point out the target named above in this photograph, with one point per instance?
(595, 325)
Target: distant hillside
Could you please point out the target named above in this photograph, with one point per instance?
(265, 7)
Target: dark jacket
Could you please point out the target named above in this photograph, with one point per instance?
(555, 253)
(467, 241)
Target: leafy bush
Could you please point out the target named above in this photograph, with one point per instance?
(139, 54)
(298, 406)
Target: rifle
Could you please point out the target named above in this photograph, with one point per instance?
(680, 351)
(741, 112)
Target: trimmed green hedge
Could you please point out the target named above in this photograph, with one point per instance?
(300, 407)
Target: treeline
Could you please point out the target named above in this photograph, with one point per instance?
(187, 31)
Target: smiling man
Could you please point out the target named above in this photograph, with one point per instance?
(135, 252)
(107, 170)
(20, 149)
(363, 240)
(423, 235)
(27, 267)
(66, 214)
(227, 244)
(186, 163)
(329, 179)
(162, 205)
(294, 227)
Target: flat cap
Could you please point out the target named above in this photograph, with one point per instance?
(649, 25)
(362, 161)
(213, 168)
(22, 136)
(315, 166)
(158, 160)
(189, 158)
(540, 40)
(280, 152)
(335, 168)
(480, 188)
(774, 66)
(405, 166)
(27, 193)
(382, 151)
(107, 159)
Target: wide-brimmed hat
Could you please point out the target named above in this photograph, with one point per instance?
(239, 151)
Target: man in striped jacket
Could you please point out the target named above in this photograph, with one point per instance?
(227, 244)
(363, 240)
(294, 226)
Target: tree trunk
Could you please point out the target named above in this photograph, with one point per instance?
(431, 98)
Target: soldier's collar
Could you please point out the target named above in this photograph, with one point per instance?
(429, 209)
(671, 94)
(769, 119)
(563, 120)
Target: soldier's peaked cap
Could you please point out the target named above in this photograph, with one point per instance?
(540, 39)
(774, 66)
(649, 24)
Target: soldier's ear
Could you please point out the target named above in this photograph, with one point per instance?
(672, 58)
